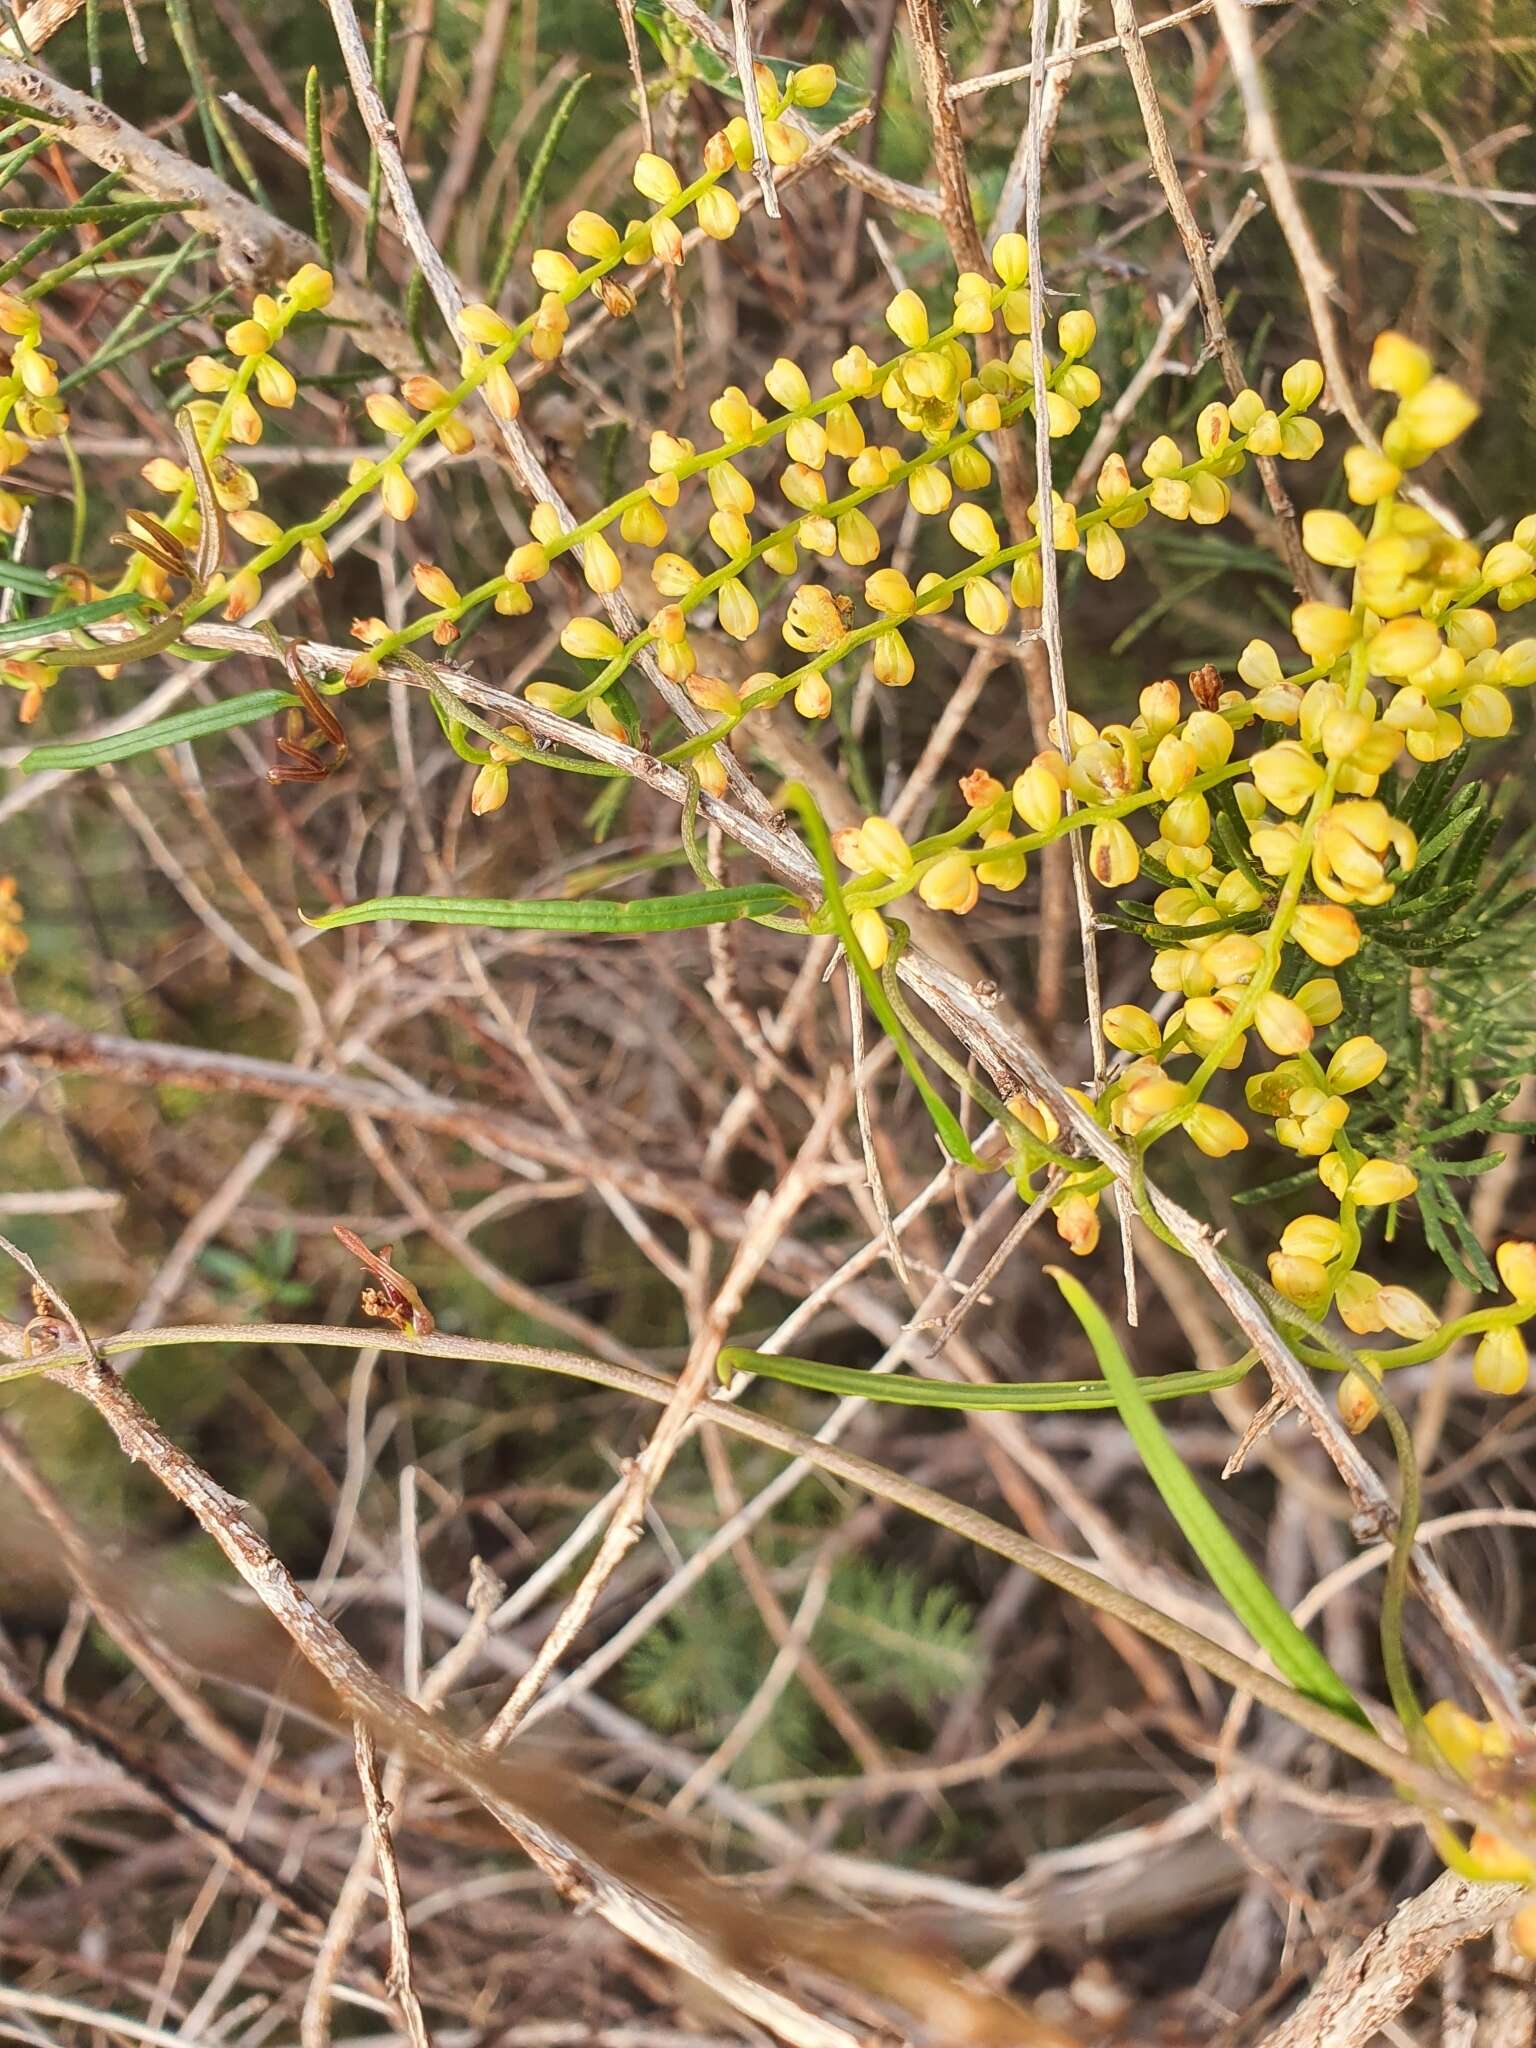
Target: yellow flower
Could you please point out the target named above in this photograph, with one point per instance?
(950, 884)
(1516, 1261)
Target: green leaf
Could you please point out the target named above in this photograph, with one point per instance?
(1231, 1572)
(164, 732)
(545, 914)
(64, 621)
(910, 1390)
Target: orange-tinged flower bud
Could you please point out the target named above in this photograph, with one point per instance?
(1077, 1223)
(1358, 1405)
(1328, 932)
(435, 585)
(242, 594)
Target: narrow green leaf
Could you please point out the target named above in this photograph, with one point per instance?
(74, 615)
(114, 212)
(1233, 1575)
(549, 914)
(314, 141)
(910, 1390)
(533, 185)
(164, 732)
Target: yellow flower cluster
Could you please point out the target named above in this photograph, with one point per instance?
(30, 406)
(1268, 859)
(1485, 1756)
(13, 940)
(226, 410)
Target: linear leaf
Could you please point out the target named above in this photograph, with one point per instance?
(909, 1390)
(164, 732)
(550, 914)
(74, 615)
(1233, 1575)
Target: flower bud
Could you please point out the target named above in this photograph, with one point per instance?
(600, 565)
(1398, 365)
(1282, 1024)
(1357, 1063)
(1313, 1237)
(1434, 416)
(1331, 538)
(873, 935)
(972, 526)
(435, 585)
(1113, 855)
(1328, 932)
(907, 319)
(1355, 1299)
(490, 789)
(1380, 1181)
(310, 288)
(484, 325)
(1323, 631)
(1516, 1261)
(1501, 1364)
(1214, 1131)
(811, 86)
(1402, 647)
(1037, 797)
(1287, 776)
(655, 179)
(1008, 868)
(1132, 1029)
(718, 214)
(1302, 1280)
(884, 849)
(1076, 332)
(398, 494)
(950, 884)
(1302, 384)
(1358, 1405)
(1406, 1314)
(590, 640)
(1505, 562)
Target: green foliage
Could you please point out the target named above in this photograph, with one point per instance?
(885, 1632)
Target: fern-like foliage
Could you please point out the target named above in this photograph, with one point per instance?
(885, 1632)
(1446, 981)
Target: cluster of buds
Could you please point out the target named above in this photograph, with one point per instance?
(227, 410)
(13, 940)
(1267, 862)
(1497, 1765)
(30, 406)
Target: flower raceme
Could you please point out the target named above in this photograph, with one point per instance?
(1261, 805)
